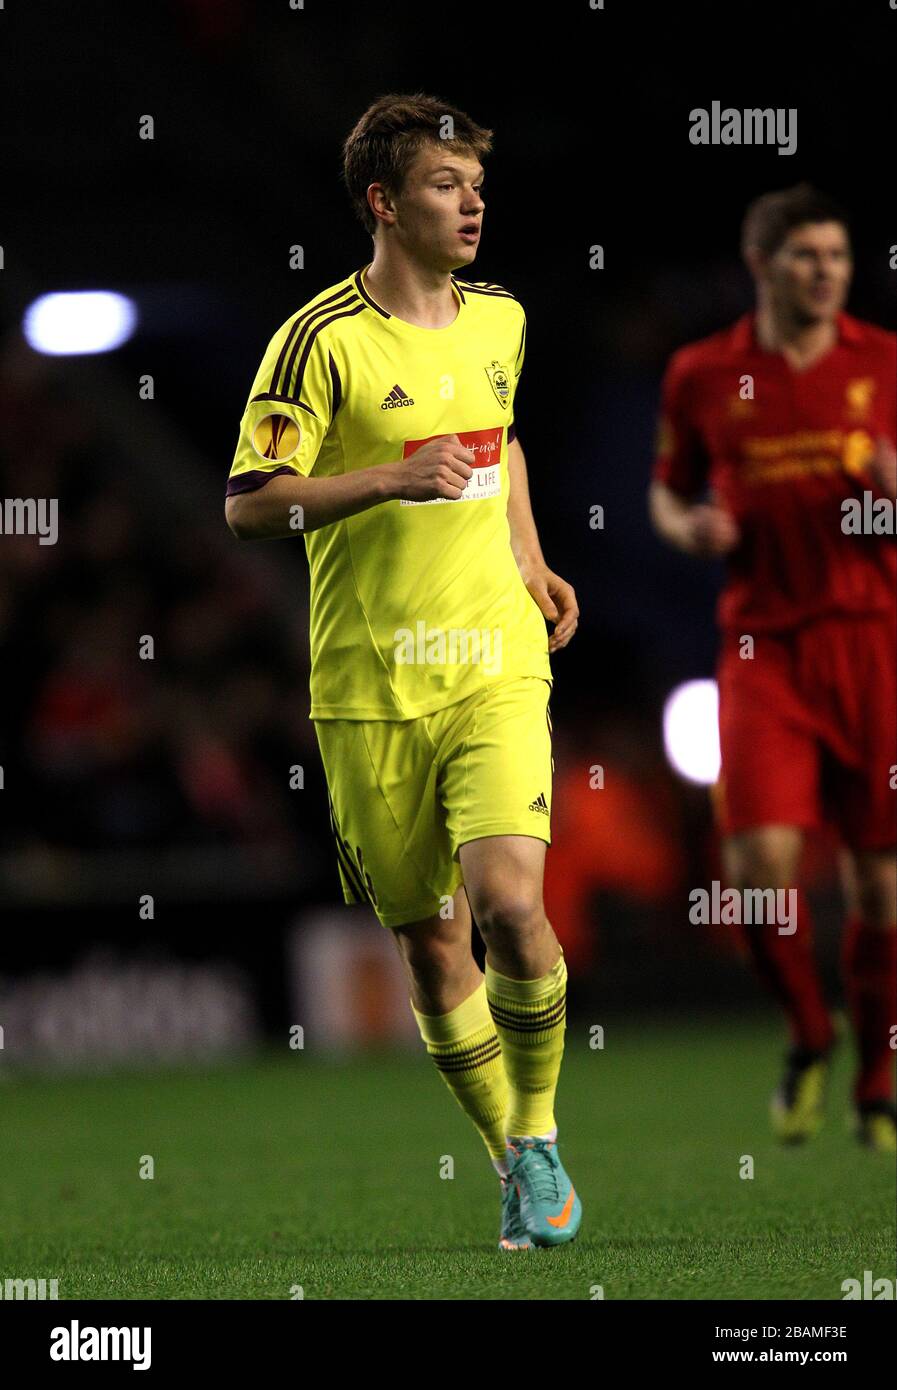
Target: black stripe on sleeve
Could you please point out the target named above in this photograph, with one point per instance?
(296, 325)
(310, 334)
(490, 294)
(255, 478)
(517, 364)
(337, 386)
(285, 400)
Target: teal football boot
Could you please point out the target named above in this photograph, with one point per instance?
(514, 1235)
(550, 1210)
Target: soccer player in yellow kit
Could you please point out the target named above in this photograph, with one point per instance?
(380, 424)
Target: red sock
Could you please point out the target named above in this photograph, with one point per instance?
(869, 964)
(786, 966)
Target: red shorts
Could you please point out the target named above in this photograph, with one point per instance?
(808, 730)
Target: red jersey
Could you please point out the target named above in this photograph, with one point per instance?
(781, 450)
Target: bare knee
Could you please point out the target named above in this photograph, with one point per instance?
(768, 857)
(508, 909)
(428, 949)
(503, 876)
(875, 881)
(518, 937)
(438, 960)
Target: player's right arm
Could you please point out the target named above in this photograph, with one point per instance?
(680, 475)
(292, 406)
(440, 468)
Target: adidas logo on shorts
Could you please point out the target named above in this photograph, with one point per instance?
(540, 804)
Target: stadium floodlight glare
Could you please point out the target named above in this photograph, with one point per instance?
(691, 732)
(79, 321)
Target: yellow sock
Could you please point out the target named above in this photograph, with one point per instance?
(465, 1047)
(530, 1016)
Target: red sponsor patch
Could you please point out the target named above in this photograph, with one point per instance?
(486, 445)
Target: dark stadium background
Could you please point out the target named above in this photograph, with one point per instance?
(124, 777)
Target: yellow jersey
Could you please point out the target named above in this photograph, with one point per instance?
(414, 605)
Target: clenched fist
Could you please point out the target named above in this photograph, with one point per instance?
(439, 468)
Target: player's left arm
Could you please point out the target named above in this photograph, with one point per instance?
(555, 597)
(884, 466)
(884, 459)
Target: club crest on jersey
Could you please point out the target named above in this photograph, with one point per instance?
(858, 397)
(500, 382)
(859, 451)
(276, 437)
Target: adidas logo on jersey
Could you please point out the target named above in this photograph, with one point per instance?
(396, 398)
(540, 804)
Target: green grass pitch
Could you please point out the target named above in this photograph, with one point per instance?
(326, 1174)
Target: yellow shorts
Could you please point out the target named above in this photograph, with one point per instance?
(406, 794)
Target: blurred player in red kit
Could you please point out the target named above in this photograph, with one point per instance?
(772, 432)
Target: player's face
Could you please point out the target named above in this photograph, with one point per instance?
(439, 213)
(809, 275)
